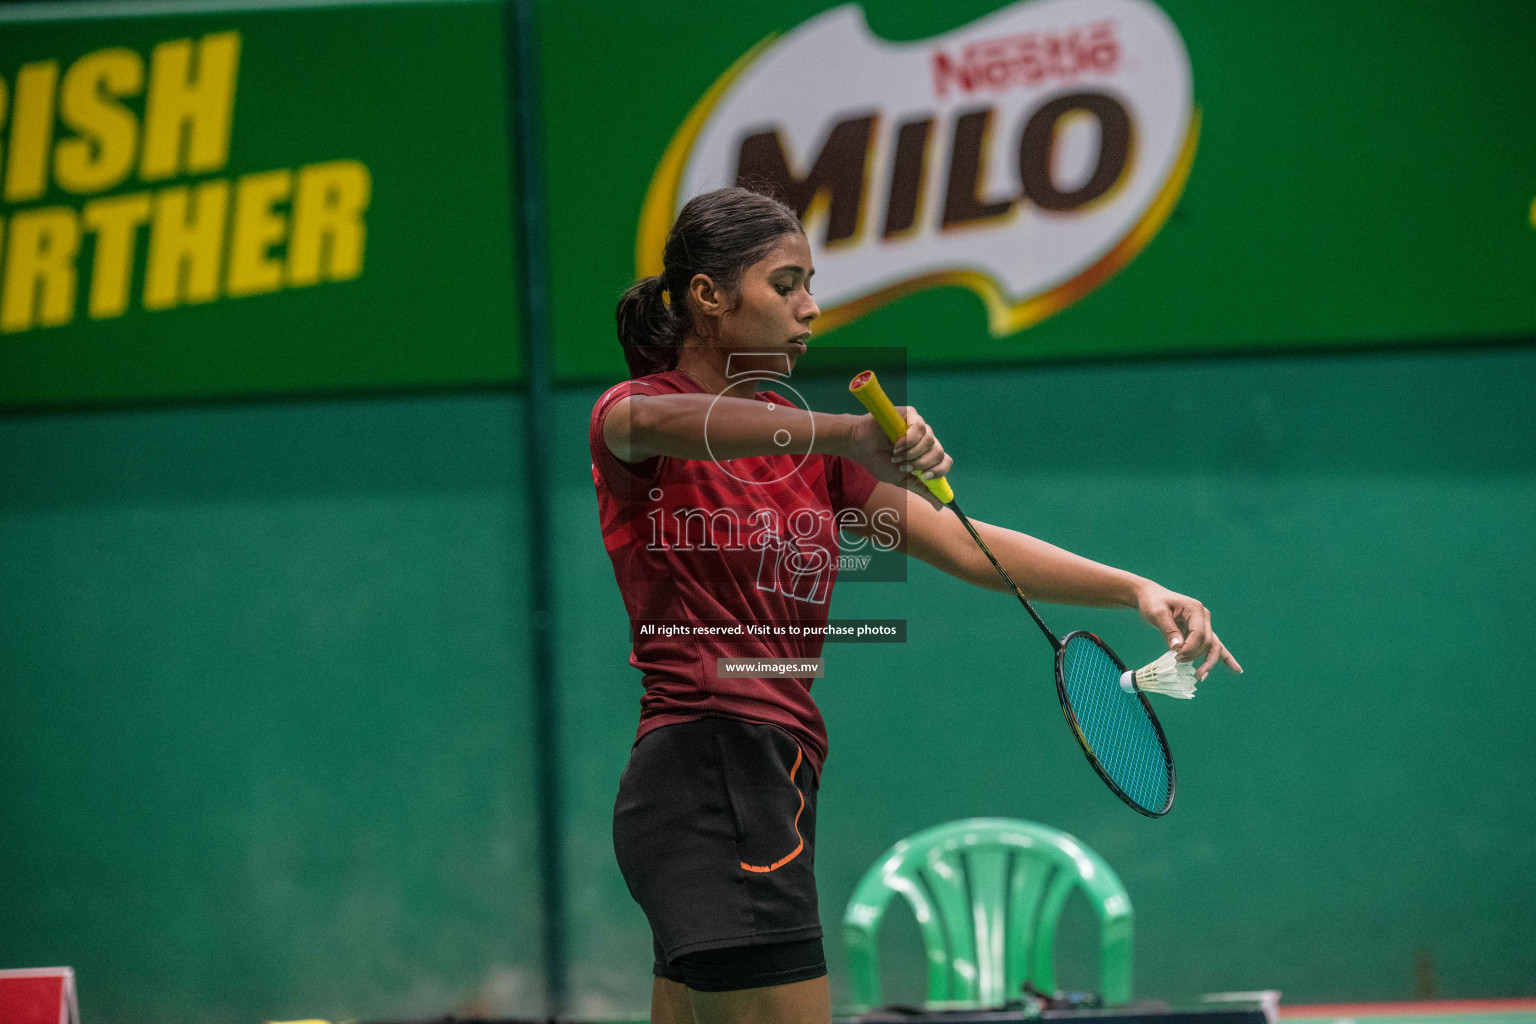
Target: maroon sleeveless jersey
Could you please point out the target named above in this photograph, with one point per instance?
(732, 559)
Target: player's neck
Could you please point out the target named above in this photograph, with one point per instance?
(706, 365)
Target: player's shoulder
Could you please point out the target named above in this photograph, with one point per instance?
(669, 382)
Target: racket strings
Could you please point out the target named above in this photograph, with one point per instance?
(1114, 724)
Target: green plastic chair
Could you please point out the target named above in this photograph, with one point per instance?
(987, 894)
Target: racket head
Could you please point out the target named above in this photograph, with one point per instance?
(1118, 732)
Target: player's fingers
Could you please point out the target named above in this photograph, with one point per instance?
(1212, 656)
(939, 468)
(1162, 618)
(1231, 662)
(1198, 621)
(923, 456)
(920, 448)
(929, 458)
(915, 428)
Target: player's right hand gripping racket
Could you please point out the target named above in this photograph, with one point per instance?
(1115, 727)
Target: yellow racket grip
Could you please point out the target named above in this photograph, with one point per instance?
(866, 388)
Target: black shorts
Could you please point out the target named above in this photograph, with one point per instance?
(715, 832)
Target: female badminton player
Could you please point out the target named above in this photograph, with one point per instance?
(720, 506)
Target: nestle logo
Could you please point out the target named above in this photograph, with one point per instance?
(1028, 59)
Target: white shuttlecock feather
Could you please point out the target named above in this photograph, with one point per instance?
(1167, 675)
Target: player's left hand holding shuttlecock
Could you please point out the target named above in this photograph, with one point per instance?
(1194, 647)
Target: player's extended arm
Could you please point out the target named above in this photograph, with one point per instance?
(1046, 572)
(1043, 570)
(641, 427)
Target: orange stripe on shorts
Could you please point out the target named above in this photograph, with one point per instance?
(792, 854)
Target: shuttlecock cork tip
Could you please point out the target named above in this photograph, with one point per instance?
(1167, 675)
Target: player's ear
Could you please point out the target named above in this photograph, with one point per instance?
(707, 298)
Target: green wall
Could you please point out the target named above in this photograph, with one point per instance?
(263, 750)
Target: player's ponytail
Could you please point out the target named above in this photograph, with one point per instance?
(647, 328)
(718, 234)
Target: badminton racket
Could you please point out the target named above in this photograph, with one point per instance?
(1111, 721)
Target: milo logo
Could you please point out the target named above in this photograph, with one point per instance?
(1026, 156)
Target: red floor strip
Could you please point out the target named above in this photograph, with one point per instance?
(1441, 1007)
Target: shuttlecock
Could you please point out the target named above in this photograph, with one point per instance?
(1167, 675)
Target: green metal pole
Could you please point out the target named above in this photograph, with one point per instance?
(533, 261)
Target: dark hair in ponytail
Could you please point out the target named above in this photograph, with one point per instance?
(718, 234)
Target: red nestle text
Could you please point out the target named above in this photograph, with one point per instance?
(1010, 62)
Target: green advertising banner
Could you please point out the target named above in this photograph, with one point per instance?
(219, 199)
(213, 202)
(986, 182)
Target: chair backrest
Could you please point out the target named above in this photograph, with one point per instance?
(987, 894)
